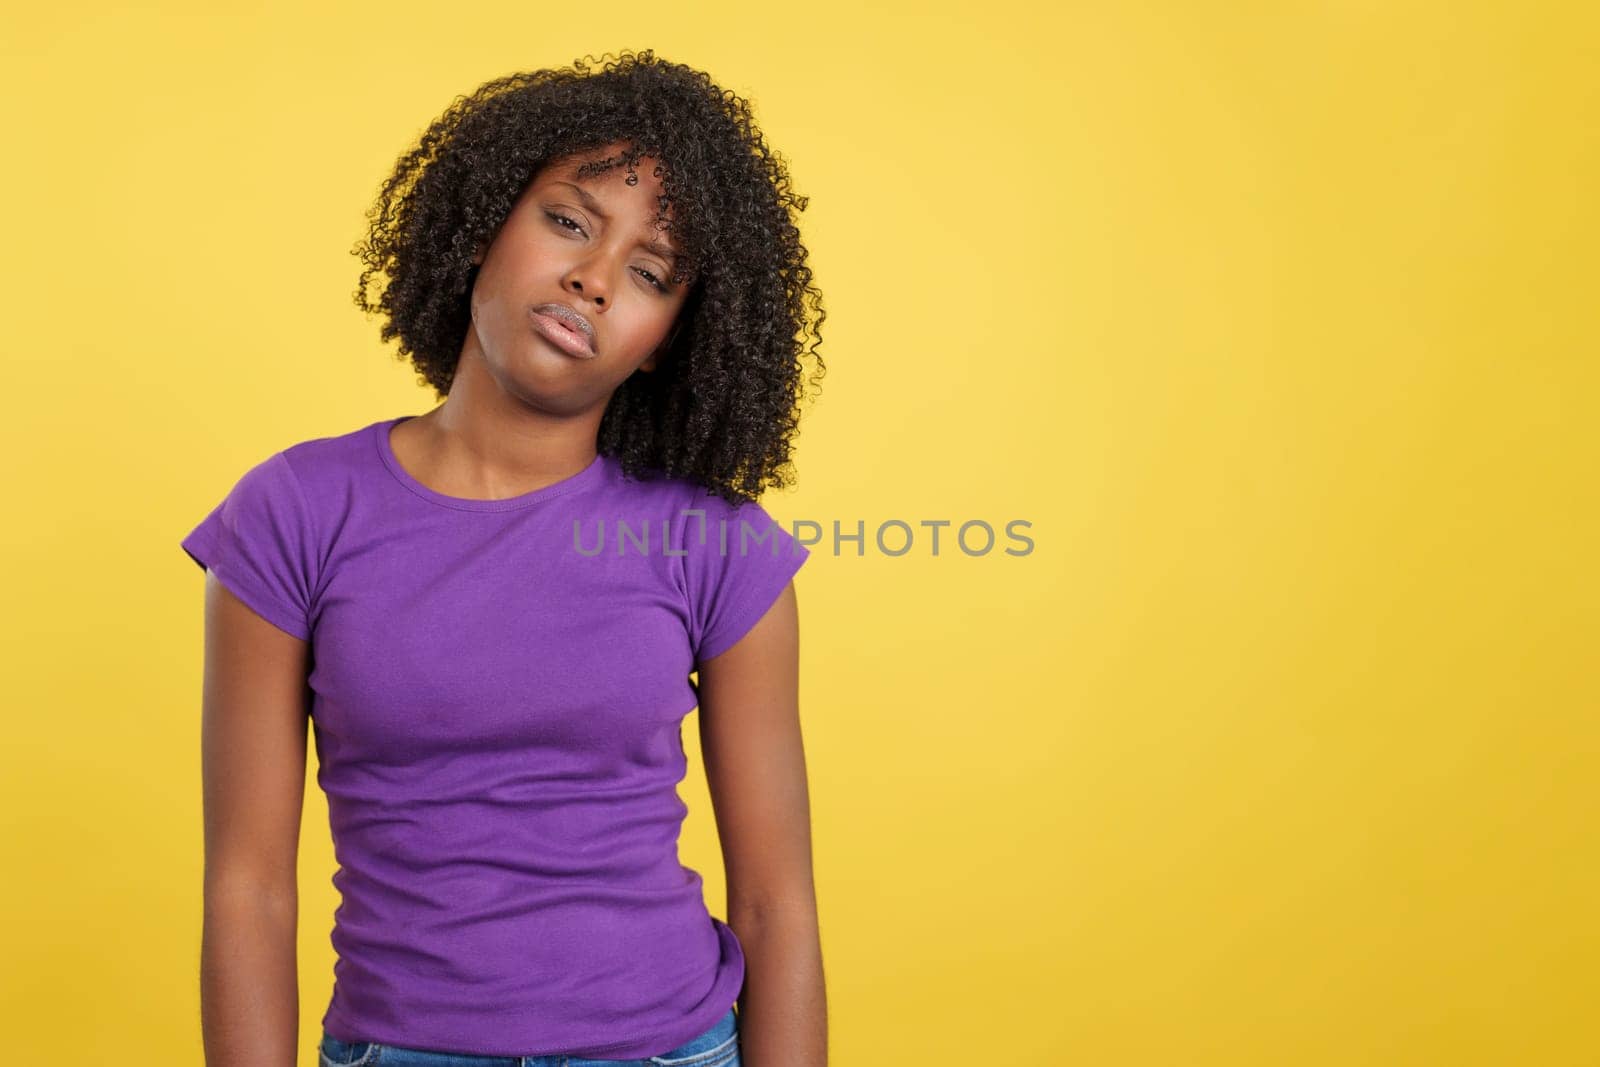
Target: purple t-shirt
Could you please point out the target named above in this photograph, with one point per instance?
(498, 693)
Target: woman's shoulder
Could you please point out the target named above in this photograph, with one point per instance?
(331, 460)
(678, 493)
(336, 446)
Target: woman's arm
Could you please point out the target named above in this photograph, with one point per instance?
(253, 762)
(756, 771)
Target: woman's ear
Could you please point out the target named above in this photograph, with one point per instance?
(664, 347)
(654, 359)
(660, 350)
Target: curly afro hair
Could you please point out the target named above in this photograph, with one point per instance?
(721, 407)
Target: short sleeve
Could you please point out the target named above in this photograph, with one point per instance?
(259, 543)
(737, 561)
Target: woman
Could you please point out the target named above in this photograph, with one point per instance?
(491, 611)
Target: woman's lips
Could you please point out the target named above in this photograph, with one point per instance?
(569, 341)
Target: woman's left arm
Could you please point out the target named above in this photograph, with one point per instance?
(756, 772)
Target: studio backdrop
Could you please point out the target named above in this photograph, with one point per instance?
(1196, 645)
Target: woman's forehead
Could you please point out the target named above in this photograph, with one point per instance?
(606, 183)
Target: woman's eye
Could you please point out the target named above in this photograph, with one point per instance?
(568, 224)
(562, 221)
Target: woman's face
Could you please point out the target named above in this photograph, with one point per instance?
(599, 255)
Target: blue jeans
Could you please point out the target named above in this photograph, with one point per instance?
(717, 1047)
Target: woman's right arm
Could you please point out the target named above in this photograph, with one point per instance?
(253, 764)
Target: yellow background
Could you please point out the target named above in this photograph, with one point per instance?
(1276, 321)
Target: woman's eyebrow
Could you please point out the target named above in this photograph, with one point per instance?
(591, 204)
